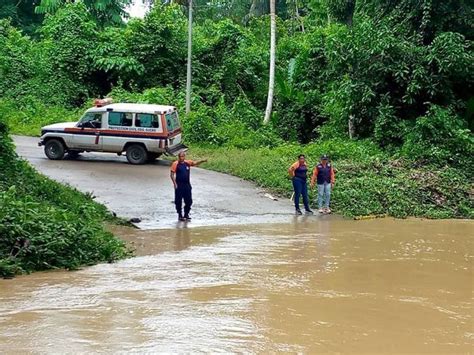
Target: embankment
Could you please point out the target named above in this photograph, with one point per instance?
(45, 225)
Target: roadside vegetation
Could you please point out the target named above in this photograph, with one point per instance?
(419, 180)
(368, 182)
(45, 225)
(384, 87)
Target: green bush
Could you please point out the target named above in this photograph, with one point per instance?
(39, 236)
(199, 126)
(44, 224)
(16, 62)
(28, 115)
(441, 137)
(388, 129)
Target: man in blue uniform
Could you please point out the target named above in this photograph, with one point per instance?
(180, 175)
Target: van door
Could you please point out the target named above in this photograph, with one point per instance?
(87, 135)
(173, 125)
(118, 124)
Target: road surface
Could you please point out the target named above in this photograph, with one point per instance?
(146, 191)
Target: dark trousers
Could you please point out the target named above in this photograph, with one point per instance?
(183, 193)
(301, 188)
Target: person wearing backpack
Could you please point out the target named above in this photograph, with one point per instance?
(323, 175)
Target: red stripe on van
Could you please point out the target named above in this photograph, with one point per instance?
(117, 131)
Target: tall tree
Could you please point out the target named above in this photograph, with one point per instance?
(271, 81)
(190, 52)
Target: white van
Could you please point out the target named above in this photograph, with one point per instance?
(142, 131)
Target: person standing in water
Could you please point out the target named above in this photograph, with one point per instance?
(323, 175)
(180, 175)
(299, 175)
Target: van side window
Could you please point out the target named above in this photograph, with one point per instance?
(146, 120)
(172, 121)
(120, 119)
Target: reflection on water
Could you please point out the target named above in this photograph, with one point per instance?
(307, 286)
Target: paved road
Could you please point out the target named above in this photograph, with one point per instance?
(146, 191)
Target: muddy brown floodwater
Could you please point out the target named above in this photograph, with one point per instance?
(310, 286)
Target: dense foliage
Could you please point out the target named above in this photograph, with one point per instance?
(382, 72)
(45, 225)
(400, 73)
(103, 11)
(22, 14)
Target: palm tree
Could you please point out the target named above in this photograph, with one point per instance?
(271, 81)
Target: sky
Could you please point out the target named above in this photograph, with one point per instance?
(137, 9)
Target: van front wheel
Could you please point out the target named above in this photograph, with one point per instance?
(136, 154)
(54, 149)
(153, 156)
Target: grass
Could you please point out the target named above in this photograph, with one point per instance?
(368, 182)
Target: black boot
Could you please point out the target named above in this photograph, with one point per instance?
(181, 218)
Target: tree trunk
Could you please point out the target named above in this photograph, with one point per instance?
(343, 15)
(190, 51)
(351, 127)
(253, 8)
(271, 82)
(350, 9)
(351, 4)
(298, 17)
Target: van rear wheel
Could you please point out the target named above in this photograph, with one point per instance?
(54, 149)
(137, 154)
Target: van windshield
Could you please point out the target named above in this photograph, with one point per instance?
(172, 121)
(91, 120)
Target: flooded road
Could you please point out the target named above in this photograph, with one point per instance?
(310, 286)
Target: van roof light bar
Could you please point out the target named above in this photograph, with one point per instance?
(103, 102)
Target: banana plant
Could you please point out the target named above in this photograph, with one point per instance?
(286, 87)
